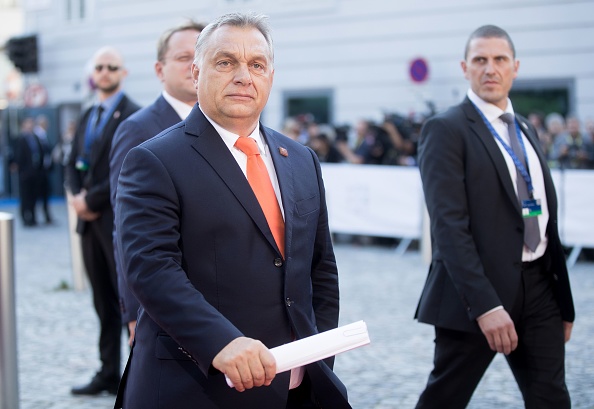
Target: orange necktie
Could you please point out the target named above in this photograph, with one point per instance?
(259, 180)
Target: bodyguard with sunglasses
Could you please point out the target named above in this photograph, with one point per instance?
(87, 177)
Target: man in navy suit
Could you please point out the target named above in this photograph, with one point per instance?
(28, 159)
(87, 176)
(216, 288)
(498, 282)
(175, 53)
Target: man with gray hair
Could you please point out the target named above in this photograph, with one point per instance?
(225, 243)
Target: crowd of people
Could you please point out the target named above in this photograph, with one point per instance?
(391, 142)
(566, 141)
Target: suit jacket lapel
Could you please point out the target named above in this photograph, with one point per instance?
(481, 131)
(284, 172)
(103, 142)
(165, 115)
(211, 147)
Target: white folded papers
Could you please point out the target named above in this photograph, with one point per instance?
(320, 346)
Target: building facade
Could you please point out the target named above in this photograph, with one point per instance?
(341, 59)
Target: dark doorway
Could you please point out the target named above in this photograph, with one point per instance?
(316, 103)
(543, 96)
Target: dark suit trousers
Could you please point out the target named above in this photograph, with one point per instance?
(100, 265)
(538, 363)
(27, 191)
(301, 397)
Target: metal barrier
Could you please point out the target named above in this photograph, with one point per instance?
(9, 388)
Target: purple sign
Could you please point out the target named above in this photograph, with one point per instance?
(419, 70)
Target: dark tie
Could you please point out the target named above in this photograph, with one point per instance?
(531, 229)
(92, 133)
(259, 180)
(98, 119)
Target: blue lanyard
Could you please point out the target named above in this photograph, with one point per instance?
(523, 171)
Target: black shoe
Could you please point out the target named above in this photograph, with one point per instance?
(96, 386)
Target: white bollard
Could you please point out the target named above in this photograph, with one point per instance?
(9, 383)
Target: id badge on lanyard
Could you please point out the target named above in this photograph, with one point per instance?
(531, 208)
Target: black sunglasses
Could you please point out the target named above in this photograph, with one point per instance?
(111, 68)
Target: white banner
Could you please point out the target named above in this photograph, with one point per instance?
(387, 201)
(384, 201)
(575, 193)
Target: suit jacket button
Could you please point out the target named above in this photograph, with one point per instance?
(278, 262)
(289, 302)
(555, 277)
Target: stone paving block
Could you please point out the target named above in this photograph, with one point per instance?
(57, 329)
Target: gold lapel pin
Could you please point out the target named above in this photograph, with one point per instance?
(283, 152)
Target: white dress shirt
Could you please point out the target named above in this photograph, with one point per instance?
(492, 113)
(230, 138)
(181, 108)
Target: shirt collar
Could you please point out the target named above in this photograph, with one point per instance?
(181, 108)
(491, 112)
(109, 102)
(230, 138)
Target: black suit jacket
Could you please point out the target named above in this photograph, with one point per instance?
(477, 229)
(199, 256)
(96, 179)
(28, 160)
(139, 127)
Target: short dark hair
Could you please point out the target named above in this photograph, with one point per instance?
(163, 43)
(490, 31)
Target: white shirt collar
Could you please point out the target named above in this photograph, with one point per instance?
(491, 112)
(230, 138)
(182, 109)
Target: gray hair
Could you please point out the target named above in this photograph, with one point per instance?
(242, 20)
(490, 31)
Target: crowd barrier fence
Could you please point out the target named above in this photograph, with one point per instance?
(387, 201)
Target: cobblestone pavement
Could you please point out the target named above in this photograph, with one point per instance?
(57, 328)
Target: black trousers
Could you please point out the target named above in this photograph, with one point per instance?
(43, 195)
(302, 396)
(97, 248)
(538, 363)
(28, 196)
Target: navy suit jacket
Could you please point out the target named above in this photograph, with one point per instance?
(28, 159)
(198, 254)
(477, 229)
(139, 127)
